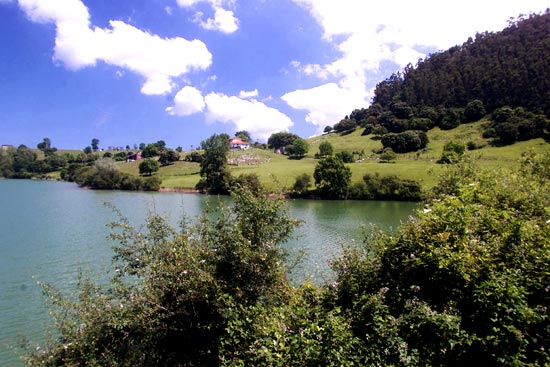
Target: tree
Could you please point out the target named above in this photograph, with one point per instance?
(46, 147)
(345, 156)
(244, 135)
(325, 149)
(150, 151)
(45, 144)
(452, 152)
(281, 140)
(332, 178)
(95, 144)
(298, 149)
(474, 111)
(302, 184)
(328, 129)
(88, 150)
(168, 156)
(345, 125)
(148, 166)
(214, 172)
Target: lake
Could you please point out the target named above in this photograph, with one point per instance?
(50, 231)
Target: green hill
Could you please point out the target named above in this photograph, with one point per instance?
(277, 171)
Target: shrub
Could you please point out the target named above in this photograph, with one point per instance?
(174, 292)
(302, 184)
(464, 282)
(345, 156)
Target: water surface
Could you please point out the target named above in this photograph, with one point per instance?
(50, 231)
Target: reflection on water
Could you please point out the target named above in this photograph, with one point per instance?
(51, 231)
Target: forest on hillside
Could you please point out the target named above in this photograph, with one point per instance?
(504, 74)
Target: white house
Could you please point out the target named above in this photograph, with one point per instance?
(237, 143)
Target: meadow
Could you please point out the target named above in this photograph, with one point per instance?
(277, 172)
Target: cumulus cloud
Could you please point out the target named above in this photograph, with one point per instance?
(248, 94)
(327, 104)
(78, 45)
(250, 115)
(366, 33)
(224, 20)
(187, 101)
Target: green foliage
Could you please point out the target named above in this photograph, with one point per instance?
(194, 156)
(332, 178)
(511, 125)
(251, 181)
(174, 292)
(474, 110)
(150, 151)
(391, 187)
(148, 166)
(168, 156)
(325, 149)
(465, 281)
(478, 70)
(302, 184)
(95, 144)
(387, 156)
(408, 141)
(452, 152)
(298, 149)
(345, 125)
(215, 176)
(345, 156)
(244, 135)
(301, 332)
(278, 141)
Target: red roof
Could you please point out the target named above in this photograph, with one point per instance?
(238, 141)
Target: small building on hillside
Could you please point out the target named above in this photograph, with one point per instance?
(7, 147)
(237, 143)
(134, 157)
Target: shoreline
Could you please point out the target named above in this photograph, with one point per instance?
(184, 191)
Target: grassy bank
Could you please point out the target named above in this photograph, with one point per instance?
(278, 172)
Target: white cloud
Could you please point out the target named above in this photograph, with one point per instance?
(250, 115)
(369, 32)
(250, 94)
(77, 45)
(187, 101)
(327, 104)
(224, 20)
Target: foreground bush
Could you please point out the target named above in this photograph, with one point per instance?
(466, 282)
(174, 291)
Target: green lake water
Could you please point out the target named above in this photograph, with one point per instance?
(50, 231)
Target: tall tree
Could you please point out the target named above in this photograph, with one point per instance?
(95, 144)
(332, 178)
(215, 176)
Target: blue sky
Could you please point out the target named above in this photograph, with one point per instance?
(133, 71)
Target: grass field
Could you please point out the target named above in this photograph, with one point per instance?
(278, 172)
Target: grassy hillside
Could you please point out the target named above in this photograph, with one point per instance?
(278, 172)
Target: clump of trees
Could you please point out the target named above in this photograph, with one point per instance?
(464, 281)
(103, 174)
(214, 172)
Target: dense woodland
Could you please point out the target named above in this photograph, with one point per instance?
(504, 74)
